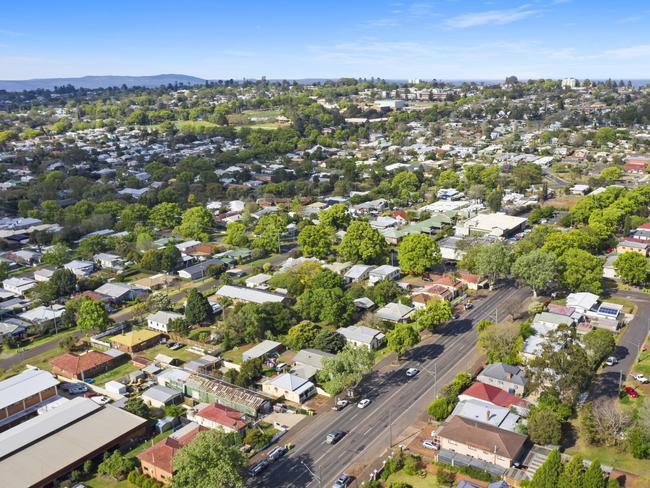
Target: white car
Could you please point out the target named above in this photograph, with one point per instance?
(340, 405)
(100, 399)
(363, 403)
(429, 444)
(412, 372)
(640, 378)
(611, 361)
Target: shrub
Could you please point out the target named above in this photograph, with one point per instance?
(445, 478)
(441, 407)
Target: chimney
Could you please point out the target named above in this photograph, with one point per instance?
(509, 375)
(487, 414)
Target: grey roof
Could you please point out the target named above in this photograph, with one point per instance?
(500, 371)
(479, 411)
(249, 294)
(311, 357)
(289, 382)
(163, 317)
(360, 333)
(394, 312)
(261, 349)
(160, 393)
(25, 384)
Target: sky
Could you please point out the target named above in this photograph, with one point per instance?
(441, 39)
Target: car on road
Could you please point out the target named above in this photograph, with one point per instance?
(258, 468)
(611, 361)
(100, 399)
(468, 306)
(340, 405)
(429, 444)
(342, 481)
(641, 378)
(276, 453)
(412, 372)
(363, 403)
(334, 437)
(628, 390)
(455, 316)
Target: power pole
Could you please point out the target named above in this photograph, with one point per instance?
(390, 428)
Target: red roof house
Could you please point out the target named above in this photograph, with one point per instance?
(86, 365)
(492, 394)
(216, 416)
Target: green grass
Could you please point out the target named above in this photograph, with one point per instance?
(234, 355)
(628, 305)
(612, 457)
(41, 361)
(98, 482)
(115, 373)
(413, 480)
(181, 354)
(643, 366)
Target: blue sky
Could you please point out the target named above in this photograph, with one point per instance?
(443, 39)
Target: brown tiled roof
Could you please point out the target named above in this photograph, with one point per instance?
(76, 364)
(162, 453)
(483, 436)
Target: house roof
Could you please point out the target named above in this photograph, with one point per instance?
(482, 436)
(249, 294)
(488, 414)
(162, 453)
(492, 394)
(394, 311)
(226, 416)
(288, 382)
(25, 384)
(311, 357)
(135, 337)
(71, 363)
(360, 333)
(160, 393)
(582, 299)
(163, 316)
(505, 372)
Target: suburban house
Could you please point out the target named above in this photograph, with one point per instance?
(504, 376)
(48, 447)
(157, 461)
(479, 411)
(109, 261)
(384, 272)
(356, 273)
(43, 315)
(494, 396)
(258, 281)
(632, 245)
(13, 329)
(395, 312)
(117, 292)
(220, 417)
(546, 322)
(250, 295)
(80, 268)
(480, 441)
(25, 393)
(290, 386)
(262, 350)
(360, 335)
(18, 285)
(87, 365)
(199, 270)
(137, 340)
(159, 396)
(308, 362)
(493, 224)
(43, 274)
(471, 281)
(160, 320)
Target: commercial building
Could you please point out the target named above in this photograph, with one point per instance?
(25, 393)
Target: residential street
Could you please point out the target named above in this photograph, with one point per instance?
(396, 402)
(611, 377)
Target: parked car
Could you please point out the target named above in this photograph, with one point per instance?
(340, 405)
(628, 390)
(342, 481)
(641, 378)
(429, 444)
(90, 381)
(363, 403)
(276, 453)
(412, 372)
(334, 437)
(468, 306)
(611, 361)
(258, 468)
(77, 389)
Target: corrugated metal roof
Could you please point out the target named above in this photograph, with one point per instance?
(25, 384)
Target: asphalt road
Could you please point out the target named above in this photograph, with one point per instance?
(396, 402)
(608, 380)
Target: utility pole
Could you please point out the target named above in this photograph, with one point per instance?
(390, 428)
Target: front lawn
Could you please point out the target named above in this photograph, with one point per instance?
(643, 365)
(234, 355)
(115, 373)
(429, 481)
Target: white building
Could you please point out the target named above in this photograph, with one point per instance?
(160, 320)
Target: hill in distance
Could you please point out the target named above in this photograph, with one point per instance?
(99, 82)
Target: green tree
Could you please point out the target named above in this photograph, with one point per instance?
(165, 215)
(92, 316)
(501, 342)
(328, 340)
(198, 309)
(316, 241)
(195, 223)
(384, 291)
(136, 406)
(581, 271)
(441, 408)
(180, 326)
(116, 466)
(329, 305)
(402, 338)
(336, 217)
(544, 427)
(433, 315)
(417, 253)
(326, 279)
(169, 257)
(548, 474)
(57, 255)
(302, 335)
(611, 174)
(632, 268)
(63, 281)
(362, 243)
(43, 292)
(537, 269)
(573, 474)
(268, 231)
(594, 477)
(132, 215)
(212, 460)
(346, 369)
(599, 343)
(492, 261)
(236, 234)
(448, 179)
(4, 270)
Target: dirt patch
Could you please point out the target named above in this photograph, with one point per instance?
(563, 202)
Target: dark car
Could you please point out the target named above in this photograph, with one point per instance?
(258, 468)
(342, 481)
(334, 437)
(276, 453)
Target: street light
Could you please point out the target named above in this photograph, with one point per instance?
(318, 478)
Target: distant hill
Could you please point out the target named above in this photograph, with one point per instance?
(99, 82)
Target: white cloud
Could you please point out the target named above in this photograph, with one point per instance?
(640, 51)
(495, 17)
